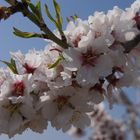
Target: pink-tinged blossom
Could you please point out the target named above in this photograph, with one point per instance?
(57, 104)
(90, 64)
(63, 86)
(29, 62)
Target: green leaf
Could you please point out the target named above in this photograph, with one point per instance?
(68, 20)
(38, 7)
(22, 34)
(58, 13)
(11, 65)
(58, 20)
(74, 17)
(36, 10)
(49, 14)
(56, 62)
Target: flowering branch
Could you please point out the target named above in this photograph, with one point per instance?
(23, 8)
(67, 82)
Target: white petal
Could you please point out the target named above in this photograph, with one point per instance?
(49, 110)
(14, 123)
(27, 111)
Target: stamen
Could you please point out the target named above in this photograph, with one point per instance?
(28, 68)
(90, 58)
(61, 101)
(18, 89)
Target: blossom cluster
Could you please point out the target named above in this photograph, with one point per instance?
(106, 128)
(103, 125)
(61, 86)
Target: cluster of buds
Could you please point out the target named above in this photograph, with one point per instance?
(63, 85)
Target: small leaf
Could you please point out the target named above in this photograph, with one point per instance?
(68, 20)
(13, 62)
(56, 62)
(11, 65)
(22, 34)
(58, 20)
(49, 14)
(58, 13)
(74, 17)
(38, 7)
(36, 10)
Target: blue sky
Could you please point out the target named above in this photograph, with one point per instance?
(11, 43)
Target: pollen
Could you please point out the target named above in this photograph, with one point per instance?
(28, 68)
(61, 101)
(19, 88)
(90, 58)
(75, 117)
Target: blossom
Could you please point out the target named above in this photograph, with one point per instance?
(64, 86)
(15, 99)
(29, 62)
(90, 63)
(63, 103)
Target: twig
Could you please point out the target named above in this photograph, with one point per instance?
(23, 8)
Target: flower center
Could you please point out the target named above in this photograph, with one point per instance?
(75, 117)
(97, 34)
(19, 88)
(77, 40)
(137, 19)
(90, 58)
(61, 101)
(28, 68)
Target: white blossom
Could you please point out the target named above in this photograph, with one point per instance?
(63, 86)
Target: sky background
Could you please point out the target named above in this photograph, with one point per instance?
(11, 43)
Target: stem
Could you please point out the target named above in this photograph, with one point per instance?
(23, 8)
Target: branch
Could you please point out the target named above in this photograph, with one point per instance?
(23, 8)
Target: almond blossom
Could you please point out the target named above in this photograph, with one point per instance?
(64, 86)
